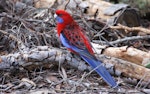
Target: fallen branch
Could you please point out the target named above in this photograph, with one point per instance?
(129, 39)
(131, 29)
(45, 56)
(129, 69)
(123, 39)
(42, 55)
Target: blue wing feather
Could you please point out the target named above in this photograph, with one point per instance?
(91, 60)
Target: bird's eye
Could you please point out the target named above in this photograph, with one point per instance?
(59, 15)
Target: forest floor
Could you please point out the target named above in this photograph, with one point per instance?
(24, 27)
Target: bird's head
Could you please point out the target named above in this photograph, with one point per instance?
(63, 19)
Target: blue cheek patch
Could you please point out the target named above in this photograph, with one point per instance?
(59, 19)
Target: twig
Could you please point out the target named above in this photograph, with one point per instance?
(20, 19)
(11, 36)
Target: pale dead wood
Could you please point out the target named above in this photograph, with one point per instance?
(44, 3)
(92, 7)
(131, 29)
(127, 53)
(97, 7)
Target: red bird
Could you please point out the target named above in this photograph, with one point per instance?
(73, 37)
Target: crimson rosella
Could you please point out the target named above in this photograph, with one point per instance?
(73, 37)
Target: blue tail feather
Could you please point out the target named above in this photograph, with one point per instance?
(101, 70)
